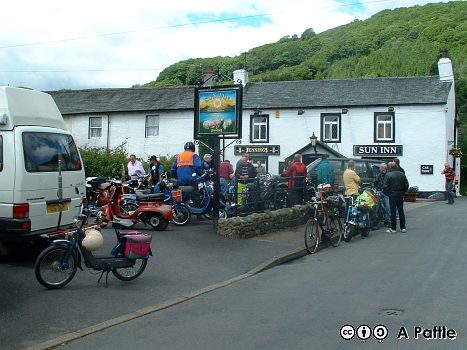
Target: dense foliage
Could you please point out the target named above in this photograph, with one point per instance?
(400, 42)
(99, 161)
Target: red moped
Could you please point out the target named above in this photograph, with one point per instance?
(151, 210)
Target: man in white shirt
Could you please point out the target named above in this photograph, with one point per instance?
(135, 168)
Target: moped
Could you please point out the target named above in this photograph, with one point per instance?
(357, 218)
(57, 265)
(204, 204)
(151, 209)
(172, 196)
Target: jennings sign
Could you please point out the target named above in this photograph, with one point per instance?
(272, 150)
(377, 150)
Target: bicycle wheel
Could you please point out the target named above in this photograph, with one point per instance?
(182, 214)
(336, 229)
(130, 273)
(50, 269)
(312, 236)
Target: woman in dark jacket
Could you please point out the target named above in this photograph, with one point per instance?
(395, 186)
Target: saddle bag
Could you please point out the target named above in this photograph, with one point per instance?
(137, 246)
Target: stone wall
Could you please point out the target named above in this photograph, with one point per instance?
(261, 223)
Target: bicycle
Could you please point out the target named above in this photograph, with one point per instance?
(326, 224)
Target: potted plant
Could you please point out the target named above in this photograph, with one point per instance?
(411, 194)
(455, 152)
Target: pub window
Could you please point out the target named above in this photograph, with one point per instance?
(259, 128)
(331, 127)
(152, 125)
(95, 127)
(384, 127)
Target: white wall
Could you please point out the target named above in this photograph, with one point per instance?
(421, 130)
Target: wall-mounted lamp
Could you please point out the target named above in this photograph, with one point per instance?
(344, 110)
(313, 140)
(390, 109)
(300, 112)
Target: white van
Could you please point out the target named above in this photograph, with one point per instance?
(33, 138)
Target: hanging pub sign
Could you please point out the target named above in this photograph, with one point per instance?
(218, 111)
(268, 150)
(377, 150)
(426, 169)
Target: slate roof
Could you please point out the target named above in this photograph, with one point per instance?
(283, 94)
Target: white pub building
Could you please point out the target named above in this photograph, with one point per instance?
(412, 118)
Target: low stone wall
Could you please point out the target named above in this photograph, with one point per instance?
(261, 223)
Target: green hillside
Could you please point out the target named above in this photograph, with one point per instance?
(400, 42)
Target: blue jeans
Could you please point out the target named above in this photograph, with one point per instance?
(386, 206)
(224, 187)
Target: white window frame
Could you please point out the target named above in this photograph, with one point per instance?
(152, 125)
(95, 128)
(388, 125)
(327, 128)
(260, 123)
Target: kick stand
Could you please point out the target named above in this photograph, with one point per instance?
(106, 277)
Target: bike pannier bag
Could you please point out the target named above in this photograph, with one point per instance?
(137, 246)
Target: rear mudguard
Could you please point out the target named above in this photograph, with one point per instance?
(65, 243)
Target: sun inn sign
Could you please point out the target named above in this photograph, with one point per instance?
(377, 150)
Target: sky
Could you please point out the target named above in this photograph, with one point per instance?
(56, 44)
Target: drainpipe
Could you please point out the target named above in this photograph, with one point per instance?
(108, 132)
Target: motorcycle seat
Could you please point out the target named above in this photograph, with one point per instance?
(153, 197)
(186, 189)
(122, 223)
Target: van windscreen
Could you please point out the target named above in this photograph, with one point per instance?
(43, 150)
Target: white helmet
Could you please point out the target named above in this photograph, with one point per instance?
(93, 239)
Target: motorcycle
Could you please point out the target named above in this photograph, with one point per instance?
(172, 196)
(358, 215)
(203, 203)
(151, 209)
(97, 192)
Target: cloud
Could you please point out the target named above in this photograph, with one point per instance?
(53, 44)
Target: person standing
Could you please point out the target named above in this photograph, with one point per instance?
(378, 185)
(260, 169)
(135, 168)
(395, 185)
(156, 169)
(398, 163)
(450, 177)
(244, 173)
(296, 173)
(226, 173)
(351, 184)
(325, 172)
(351, 179)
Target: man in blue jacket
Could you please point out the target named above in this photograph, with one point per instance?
(186, 164)
(325, 172)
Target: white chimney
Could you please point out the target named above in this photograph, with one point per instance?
(240, 76)
(445, 69)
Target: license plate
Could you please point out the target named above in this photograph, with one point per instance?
(55, 207)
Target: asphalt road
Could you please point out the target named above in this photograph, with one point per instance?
(395, 280)
(415, 274)
(186, 259)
